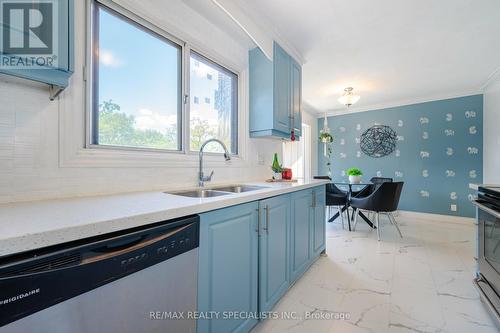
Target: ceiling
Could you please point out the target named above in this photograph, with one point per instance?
(390, 51)
(221, 20)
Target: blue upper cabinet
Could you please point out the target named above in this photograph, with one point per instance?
(275, 94)
(282, 115)
(42, 52)
(296, 97)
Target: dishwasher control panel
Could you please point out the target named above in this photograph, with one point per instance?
(175, 242)
(185, 239)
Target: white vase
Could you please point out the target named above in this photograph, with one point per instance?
(354, 179)
(277, 175)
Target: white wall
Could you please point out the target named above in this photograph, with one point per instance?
(41, 142)
(309, 117)
(492, 133)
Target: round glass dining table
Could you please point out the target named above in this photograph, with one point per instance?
(358, 187)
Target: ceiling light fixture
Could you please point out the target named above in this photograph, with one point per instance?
(348, 98)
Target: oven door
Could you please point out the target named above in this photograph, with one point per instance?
(489, 242)
(488, 281)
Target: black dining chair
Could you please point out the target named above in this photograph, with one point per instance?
(335, 197)
(380, 180)
(370, 188)
(367, 190)
(375, 181)
(384, 199)
(322, 177)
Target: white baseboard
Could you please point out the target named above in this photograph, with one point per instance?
(435, 217)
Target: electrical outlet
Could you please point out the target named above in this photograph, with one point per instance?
(260, 159)
(453, 208)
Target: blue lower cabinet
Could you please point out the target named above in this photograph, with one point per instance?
(251, 253)
(300, 235)
(273, 250)
(318, 234)
(228, 267)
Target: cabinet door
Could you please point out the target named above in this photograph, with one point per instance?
(300, 234)
(228, 267)
(273, 250)
(282, 114)
(296, 97)
(319, 223)
(56, 66)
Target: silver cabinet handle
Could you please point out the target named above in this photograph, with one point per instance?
(313, 199)
(258, 221)
(266, 228)
(486, 209)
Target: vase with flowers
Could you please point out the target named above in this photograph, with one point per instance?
(276, 167)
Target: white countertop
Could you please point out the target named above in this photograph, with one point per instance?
(476, 186)
(31, 225)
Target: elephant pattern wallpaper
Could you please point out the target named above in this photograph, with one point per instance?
(438, 152)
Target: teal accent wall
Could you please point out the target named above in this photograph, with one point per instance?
(439, 152)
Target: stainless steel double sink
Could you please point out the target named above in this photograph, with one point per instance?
(217, 191)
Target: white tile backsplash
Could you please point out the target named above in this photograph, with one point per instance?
(29, 156)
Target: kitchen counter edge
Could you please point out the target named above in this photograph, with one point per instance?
(31, 225)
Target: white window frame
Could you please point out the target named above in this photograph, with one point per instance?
(186, 49)
(73, 106)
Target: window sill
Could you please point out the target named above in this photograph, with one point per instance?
(122, 158)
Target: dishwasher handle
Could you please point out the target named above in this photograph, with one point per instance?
(167, 240)
(134, 246)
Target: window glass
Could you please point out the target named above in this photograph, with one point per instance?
(217, 117)
(136, 84)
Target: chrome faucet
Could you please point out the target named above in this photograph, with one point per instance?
(201, 176)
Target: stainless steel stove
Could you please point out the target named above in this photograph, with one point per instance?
(488, 254)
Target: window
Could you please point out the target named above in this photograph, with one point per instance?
(218, 117)
(297, 154)
(138, 91)
(136, 86)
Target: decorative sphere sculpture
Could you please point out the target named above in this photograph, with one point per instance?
(378, 141)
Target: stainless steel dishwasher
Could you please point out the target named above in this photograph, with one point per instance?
(139, 280)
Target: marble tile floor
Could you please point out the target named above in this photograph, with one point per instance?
(421, 283)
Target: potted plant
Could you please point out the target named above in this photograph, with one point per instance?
(325, 137)
(327, 140)
(354, 175)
